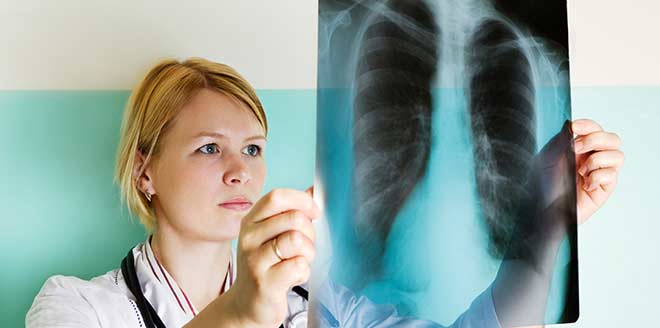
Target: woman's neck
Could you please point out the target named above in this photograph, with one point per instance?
(199, 267)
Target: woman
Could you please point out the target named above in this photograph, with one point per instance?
(190, 165)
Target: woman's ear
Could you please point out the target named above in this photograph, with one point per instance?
(142, 174)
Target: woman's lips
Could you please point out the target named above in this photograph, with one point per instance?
(237, 206)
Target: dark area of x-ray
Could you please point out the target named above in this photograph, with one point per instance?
(388, 70)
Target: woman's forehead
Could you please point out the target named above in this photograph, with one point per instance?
(214, 114)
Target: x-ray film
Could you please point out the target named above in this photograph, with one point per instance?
(445, 168)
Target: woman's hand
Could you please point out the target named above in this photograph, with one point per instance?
(598, 160)
(282, 221)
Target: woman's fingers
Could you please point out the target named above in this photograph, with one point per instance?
(294, 243)
(293, 271)
(288, 221)
(600, 140)
(278, 229)
(598, 160)
(275, 247)
(282, 248)
(605, 178)
(585, 126)
(282, 200)
(602, 159)
(288, 245)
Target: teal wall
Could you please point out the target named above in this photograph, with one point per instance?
(60, 211)
(619, 247)
(59, 208)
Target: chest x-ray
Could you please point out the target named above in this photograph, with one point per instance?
(444, 151)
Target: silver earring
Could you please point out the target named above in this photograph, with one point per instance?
(148, 196)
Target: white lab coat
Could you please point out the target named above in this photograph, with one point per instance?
(105, 301)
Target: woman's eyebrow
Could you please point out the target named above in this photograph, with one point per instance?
(222, 136)
(256, 137)
(210, 134)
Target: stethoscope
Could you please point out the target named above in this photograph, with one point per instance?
(150, 316)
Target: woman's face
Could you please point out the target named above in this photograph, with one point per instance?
(210, 168)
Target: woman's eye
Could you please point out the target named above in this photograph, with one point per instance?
(253, 150)
(209, 149)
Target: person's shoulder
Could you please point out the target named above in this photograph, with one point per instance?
(61, 284)
(73, 301)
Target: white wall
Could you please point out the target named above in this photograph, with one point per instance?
(95, 44)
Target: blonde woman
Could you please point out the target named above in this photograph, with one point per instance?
(190, 165)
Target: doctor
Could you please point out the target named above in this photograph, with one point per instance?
(190, 166)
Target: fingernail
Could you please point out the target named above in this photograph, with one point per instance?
(578, 146)
(576, 125)
(582, 170)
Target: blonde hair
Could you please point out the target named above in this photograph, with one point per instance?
(152, 107)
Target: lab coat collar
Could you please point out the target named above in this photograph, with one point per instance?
(161, 290)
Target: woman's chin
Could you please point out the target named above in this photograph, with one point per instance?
(229, 223)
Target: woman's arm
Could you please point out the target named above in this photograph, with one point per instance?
(521, 288)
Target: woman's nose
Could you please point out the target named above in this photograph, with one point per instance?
(237, 171)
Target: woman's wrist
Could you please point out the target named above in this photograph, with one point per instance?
(221, 313)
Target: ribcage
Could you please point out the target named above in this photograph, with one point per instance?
(501, 105)
(392, 117)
